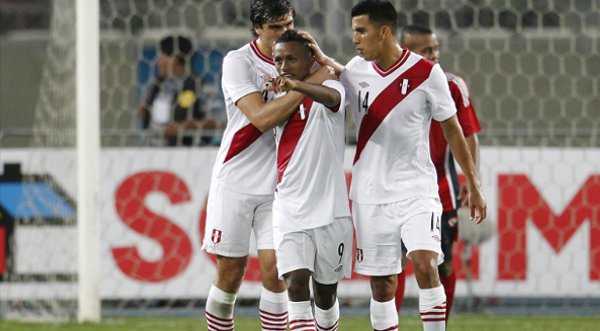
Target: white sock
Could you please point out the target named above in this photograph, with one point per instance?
(327, 320)
(273, 308)
(219, 310)
(432, 306)
(384, 315)
(301, 316)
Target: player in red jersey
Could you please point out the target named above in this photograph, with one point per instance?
(423, 41)
(394, 94)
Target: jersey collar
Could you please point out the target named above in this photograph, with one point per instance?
(400, 62)
(258, 53)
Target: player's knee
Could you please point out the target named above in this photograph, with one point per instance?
(230, 272)
(297, 283)
(426, 273)
(383, 287)
(229, 282)
(325, 295)
(423, 269)
(272, 282)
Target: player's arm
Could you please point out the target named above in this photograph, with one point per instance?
(321, 57)
(473, 146)
(267, 115)
(321, 94)
(467, 118)
(458, 145)
(444, 111)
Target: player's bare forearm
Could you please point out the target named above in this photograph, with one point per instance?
(337, 67)
(266, 116)
(321, 94)
(458, 145)
(473, 144)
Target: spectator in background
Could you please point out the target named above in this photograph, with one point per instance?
(172, 103)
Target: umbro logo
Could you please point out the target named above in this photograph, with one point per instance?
(363, 84)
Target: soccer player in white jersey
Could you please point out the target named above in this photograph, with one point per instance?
(311, 215)
(423, 41)
(394, 94)
(244, 174)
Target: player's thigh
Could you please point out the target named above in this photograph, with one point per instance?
(378, 240)
(334, 251)
(229, 221)
(421, 230)
(295, 250)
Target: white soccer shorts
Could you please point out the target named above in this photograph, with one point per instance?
(326, 251)
(380, 229)
(230, 219)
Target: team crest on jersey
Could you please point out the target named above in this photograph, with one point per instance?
(216, 236)
(359, 255)
(404, 85)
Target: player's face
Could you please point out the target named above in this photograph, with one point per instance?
(426, 45)
(271, 30)
(292, 59)
(367, 37)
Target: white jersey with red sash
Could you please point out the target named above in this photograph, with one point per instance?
(393, 110)
(311, 190)
(246, 159)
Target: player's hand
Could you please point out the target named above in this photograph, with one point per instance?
(283, 83)
(317, 52)
(477, 203)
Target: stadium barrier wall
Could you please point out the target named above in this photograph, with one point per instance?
(544, 204)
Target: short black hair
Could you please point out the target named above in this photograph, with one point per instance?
(380, 12)
(262, 11)
(294, 36)
(414, 30)
(179, 46)
(417, 29)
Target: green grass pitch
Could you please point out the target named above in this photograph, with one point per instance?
(459, 322)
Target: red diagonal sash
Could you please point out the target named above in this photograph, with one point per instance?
(388, 99)
(291, 136)
(242, 139)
